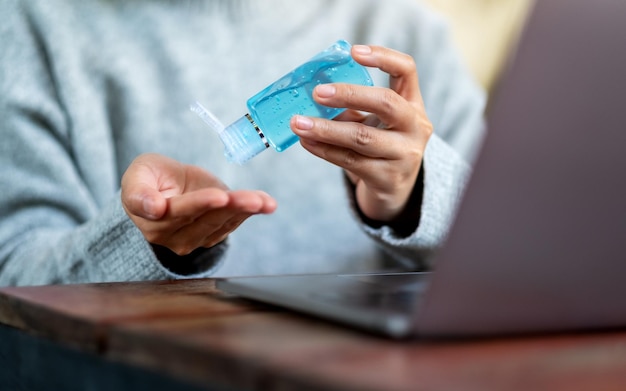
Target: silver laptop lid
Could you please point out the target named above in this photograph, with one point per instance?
(539, 240)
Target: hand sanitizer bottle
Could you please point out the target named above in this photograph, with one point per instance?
(267, 121)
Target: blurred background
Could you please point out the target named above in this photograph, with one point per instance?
(485, 32)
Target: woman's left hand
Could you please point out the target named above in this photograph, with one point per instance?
(380, 140)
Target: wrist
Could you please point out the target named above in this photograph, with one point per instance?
(407, 221)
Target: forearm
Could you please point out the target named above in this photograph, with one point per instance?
(445, 174)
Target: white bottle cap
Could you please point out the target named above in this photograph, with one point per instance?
(243, 140)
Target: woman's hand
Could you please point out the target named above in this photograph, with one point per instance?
(380, 140)
(184, 207)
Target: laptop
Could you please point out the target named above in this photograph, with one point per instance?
(539, 240)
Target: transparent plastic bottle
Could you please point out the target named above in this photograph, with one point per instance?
(267, 122)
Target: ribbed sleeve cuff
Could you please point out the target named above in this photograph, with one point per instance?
(123, 254)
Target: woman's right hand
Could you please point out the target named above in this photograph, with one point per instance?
(184, 207)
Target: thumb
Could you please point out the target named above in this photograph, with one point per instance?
(144, 201)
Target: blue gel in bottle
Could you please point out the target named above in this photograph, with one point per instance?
(267, 122)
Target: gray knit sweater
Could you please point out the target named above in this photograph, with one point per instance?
(86, 86)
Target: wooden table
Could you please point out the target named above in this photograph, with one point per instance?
(187, 335)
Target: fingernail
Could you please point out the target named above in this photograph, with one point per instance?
(148, 208)
(304, 123)
(362, 49)
(325, 90)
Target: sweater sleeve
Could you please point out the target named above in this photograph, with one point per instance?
(455, 105)
(53, 228)
(445, 176)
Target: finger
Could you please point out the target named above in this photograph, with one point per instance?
(241, 202)
(183, 234)
(358, 116)
(269, 203)
(401, 68)
(143, 200)
(188, 238)
(205, 210)
(193, 204)
(226, 229)
(253, 202)
(351, 116)
(355, 136)
(390, 107)
(346, 158)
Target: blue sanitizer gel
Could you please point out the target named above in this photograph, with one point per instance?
(267, 122)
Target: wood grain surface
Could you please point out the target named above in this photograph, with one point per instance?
(189, 330)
